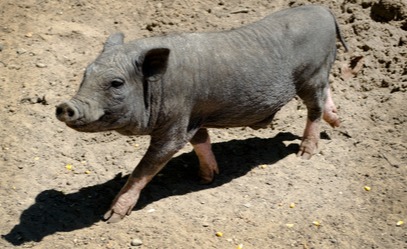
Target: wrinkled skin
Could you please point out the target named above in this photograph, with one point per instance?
(175, 87)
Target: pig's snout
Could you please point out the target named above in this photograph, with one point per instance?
(66, 112)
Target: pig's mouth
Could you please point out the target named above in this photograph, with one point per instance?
(81, 125)
(104, 123)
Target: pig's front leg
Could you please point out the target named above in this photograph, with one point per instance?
(125, 200)
(158, 154)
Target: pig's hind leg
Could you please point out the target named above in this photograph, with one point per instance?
(208, 166)
(317, 98)
(330, 112)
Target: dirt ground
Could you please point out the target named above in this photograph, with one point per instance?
(56, 182)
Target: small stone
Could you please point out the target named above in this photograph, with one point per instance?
(40, 65)
(151, 210)
(14, 67)
(247, 205)
(136, 242)
(244, 11)
(20, 51)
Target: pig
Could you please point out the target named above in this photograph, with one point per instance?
(175, 87)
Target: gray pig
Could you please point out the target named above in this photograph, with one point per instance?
(175, 87)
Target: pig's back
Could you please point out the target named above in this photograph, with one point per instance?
(243, 76)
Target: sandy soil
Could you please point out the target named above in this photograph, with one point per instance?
(56, 182)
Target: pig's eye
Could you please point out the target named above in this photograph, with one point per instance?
(117, 83)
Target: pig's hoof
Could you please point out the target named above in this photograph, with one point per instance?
(122, 206)
(308, 148)
(112, 217)
(333, 121)
(206, 180)
(207, 173)
(331, 117)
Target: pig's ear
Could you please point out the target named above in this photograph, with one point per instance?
(154, 63)
(114, 40)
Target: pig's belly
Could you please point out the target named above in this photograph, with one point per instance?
(255, 109)
(255, 118)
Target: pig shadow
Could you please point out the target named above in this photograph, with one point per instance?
(54, 211)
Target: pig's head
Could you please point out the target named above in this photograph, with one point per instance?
(114, 93)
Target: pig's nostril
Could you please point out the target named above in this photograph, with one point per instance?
(59, 111)
(71, 112)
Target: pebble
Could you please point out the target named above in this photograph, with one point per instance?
(244, 11)
(21, 51)
(14, 67)
(40, 65)
(151, 210)
(136, 242)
